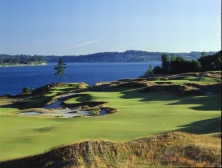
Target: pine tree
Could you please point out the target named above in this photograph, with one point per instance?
(165, 63)
(149, 71)
(60, 68)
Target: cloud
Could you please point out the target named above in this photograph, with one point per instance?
(128, 44)
(80, 45)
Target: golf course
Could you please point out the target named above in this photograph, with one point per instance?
(139, 112)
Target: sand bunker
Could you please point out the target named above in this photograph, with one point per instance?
(58, 110)
(64, 113)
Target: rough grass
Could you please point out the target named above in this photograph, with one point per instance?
(169, 150)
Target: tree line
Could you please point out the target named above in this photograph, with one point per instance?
(21, 59)
(127, 56)
(176, 64)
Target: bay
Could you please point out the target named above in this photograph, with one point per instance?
(14, 79)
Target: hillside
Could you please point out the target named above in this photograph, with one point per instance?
(170, 149)
(127, 56)
(145, 125)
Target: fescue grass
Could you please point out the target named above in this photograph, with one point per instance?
(166, 150)
(139, 115)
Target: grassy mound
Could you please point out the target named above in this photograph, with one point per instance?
(168, 150)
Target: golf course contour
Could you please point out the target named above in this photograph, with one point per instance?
(152, 121)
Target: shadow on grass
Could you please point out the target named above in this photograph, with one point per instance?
(45, 129)
(84, 97)
(8, 106)
(201, 102)
(203, 127)
(203, 79)
(62, 90)
(32, 103)
(88, 103)
(205, 103)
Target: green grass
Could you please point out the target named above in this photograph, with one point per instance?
(37, 102)
(140, 115)
(191, 79)
(61, 89)
(5, 111)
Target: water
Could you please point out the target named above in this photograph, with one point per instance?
(14, 79)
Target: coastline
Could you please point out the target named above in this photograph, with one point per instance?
(42, 64)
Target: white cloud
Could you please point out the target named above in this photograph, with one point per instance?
(79, 45)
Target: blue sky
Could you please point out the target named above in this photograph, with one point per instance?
(74, 27)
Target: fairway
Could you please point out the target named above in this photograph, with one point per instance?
(139, 115)
(189, 79)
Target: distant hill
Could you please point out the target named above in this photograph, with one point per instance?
(127, 56)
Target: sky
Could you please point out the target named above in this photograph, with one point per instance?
(79, 27)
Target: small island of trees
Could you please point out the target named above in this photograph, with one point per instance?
(8, 60)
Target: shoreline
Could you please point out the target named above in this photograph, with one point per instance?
(43, 64)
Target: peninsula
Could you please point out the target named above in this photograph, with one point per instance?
(21, 60)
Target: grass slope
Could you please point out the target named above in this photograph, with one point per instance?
(140, 115)
(166, 150)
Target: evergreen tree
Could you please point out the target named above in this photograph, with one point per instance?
(60, 68)
(165, 63)
(173, 58)
(150, 71)
(26, 90)
(157, 70)
(203, 54)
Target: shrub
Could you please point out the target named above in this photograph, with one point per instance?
(95, 111)
(82, 85)
(26, 90)
(110, 110)
(84, 107)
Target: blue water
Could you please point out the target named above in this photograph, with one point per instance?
(14, 79)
